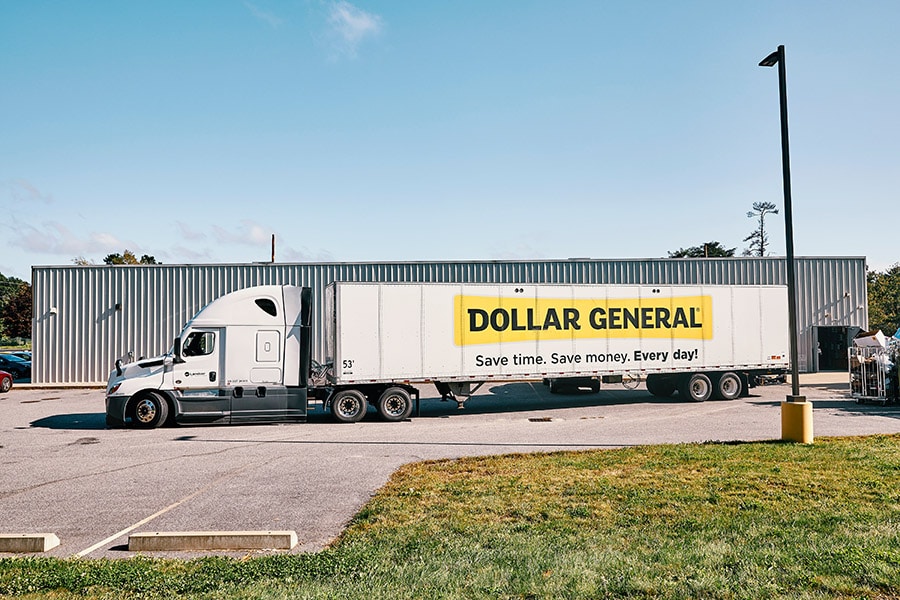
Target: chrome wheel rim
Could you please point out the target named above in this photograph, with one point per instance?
(699, 389)
(730, 386)
(145, 411)
(394, 405)
(348, 406)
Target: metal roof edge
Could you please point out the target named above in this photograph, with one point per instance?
(460, 261)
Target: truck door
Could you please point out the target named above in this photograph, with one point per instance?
(199, 377)
(264, 397)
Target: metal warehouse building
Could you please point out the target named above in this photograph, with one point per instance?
(87, 316)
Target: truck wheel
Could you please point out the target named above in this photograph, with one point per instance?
(150, 411)
(728, 386)
(696, 387)
(394, 404)
(349, 406)
(660, 385)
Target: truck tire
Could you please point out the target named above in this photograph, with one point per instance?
(661, 386)
(349, 406)
(555, 385)
(150, 410)
(728, 386)
(696, 387)
(395, 404)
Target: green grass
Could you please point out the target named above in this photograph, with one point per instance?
(755, 520)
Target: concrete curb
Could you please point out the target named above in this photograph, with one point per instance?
(28, 542)
(211, 540)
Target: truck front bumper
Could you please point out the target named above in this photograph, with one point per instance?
(115, 410)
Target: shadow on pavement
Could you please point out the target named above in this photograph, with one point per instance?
(77, 421)
(529, 397)
(851, 408)
(846, 406)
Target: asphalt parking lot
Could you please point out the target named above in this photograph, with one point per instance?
(62, 471)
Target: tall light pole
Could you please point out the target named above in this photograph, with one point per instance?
(796, 412)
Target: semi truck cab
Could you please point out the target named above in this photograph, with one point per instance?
(243, 358)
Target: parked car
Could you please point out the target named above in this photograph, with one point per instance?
(23, 354)
(6, 381)
(19, 368)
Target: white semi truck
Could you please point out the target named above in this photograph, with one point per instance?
(246, 356)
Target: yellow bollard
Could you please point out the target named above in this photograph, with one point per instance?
(797, 420)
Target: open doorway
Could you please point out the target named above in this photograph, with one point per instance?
(832, 344)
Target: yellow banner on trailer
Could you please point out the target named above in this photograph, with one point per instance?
(490, 320)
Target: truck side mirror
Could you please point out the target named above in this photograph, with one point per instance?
(176, 348)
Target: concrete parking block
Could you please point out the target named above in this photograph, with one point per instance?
(161, 541)
(28, 542)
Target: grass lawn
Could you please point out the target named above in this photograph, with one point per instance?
(754, 520)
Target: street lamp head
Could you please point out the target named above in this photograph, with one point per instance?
(771, 60)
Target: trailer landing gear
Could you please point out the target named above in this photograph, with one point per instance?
(458, 391)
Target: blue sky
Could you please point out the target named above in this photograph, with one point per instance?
(406, 131)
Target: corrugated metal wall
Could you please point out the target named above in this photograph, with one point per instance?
(87, 316)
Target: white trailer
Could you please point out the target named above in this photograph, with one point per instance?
(245, 357)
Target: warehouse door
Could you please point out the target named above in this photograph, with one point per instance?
(832, 348)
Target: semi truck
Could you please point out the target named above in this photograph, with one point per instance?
(247, 356)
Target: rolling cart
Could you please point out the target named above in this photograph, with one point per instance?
(873, 373)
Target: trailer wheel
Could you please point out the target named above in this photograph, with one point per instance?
(349, 406)
(728, 386)
(149, 411)
(555, 385)
(394, 404)
(696, 387)
(661, 386)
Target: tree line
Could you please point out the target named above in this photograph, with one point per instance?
(758, 238)
(882, 287)
(15, 308)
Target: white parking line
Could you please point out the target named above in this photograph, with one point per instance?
(127, 530)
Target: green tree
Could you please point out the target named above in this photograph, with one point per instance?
(15, 307)
(707, 250)
(759, 239)
(128, 258)
(17, 312)
(125, 258)
(8, 286)
(884, 299)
